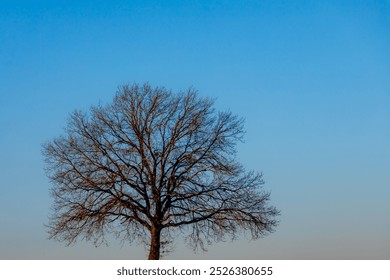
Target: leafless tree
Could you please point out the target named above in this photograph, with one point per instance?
(150, 163)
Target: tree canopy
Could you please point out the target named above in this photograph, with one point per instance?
(150, 163)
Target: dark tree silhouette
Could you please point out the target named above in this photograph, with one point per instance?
(149, 163)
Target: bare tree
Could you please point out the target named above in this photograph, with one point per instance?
(149, 163)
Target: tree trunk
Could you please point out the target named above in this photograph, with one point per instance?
(154, 251)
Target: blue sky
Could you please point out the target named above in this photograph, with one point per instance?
(311, 79)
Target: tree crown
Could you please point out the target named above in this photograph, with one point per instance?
(152, 162)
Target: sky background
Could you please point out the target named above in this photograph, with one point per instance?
(311, 79)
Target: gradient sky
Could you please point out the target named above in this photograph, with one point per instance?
(311, 78)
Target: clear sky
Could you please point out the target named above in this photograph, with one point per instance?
(311, 78)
